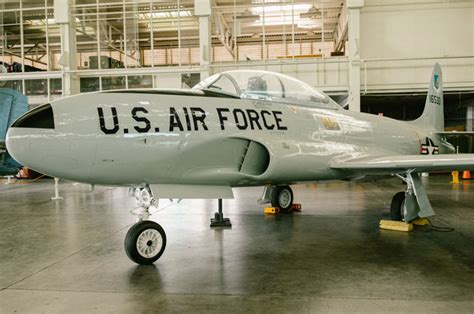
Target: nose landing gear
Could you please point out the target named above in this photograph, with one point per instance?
(145, 241)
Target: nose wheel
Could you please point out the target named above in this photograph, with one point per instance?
(145, 241)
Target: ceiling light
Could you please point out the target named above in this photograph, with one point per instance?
(313, 13)
(248, 16)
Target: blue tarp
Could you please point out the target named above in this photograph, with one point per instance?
(12, 105)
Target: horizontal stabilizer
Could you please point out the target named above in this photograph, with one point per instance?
(454, 133)
(401, 163)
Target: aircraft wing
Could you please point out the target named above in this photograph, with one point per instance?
(400, 163)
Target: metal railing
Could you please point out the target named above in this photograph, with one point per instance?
(329, 74)
(417, 64)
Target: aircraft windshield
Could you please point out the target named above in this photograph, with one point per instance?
(264, 85)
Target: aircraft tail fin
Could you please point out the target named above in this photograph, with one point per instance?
(433, 114)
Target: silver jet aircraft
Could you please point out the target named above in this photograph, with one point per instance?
(234, 129)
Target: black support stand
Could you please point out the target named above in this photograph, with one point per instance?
(219, 220)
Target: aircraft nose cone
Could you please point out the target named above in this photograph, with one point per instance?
(41, 150)
(18, 144)
(13, 146)
(34, 140)
(25, 135)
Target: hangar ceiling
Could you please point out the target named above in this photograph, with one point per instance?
(173, 23)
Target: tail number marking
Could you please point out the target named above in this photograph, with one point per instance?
(435, 99)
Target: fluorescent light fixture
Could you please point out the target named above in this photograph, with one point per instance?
(41, 22)
(164, 14)
(281, 15)
(281, 9)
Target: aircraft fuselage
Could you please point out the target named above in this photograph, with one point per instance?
(131, 138)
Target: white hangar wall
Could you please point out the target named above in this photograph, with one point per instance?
(397, 45)
(410, 36)
(392, 47)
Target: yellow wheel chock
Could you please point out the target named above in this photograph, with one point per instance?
(395, 225)
(275, 210)
(401, 225)
(271, 210)
(420, 222)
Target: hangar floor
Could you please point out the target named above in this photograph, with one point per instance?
(68, 256)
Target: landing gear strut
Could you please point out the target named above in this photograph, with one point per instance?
(145, 241)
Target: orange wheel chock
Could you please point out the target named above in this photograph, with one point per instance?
(296, 207)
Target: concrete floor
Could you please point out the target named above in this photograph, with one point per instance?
(67, 256)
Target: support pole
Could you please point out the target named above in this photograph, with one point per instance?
(219, 220)
(67, 27)
(353, 16)
(56, 190)
(9, 180)
(202, 9)
(469, 126)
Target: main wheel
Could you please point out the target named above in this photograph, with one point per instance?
(145, 242)
(396, 207)
(282, 197)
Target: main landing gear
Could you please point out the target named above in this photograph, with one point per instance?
(280, 196)
(412, 203)
(397, 207)
(145, 241)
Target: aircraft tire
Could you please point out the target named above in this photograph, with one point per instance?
(145, 242)
(282, 198)
(396, 212)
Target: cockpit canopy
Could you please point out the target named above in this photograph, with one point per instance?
(263, 85)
